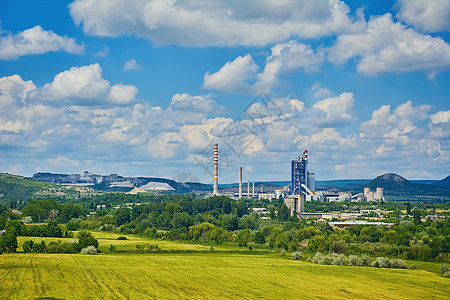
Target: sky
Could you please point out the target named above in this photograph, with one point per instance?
(146, 87)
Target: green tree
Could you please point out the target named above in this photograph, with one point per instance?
(122, 216)
(85, 239)
(226, 206)
(416, 216)
(229, 222)
(283, 212)
(8, 242)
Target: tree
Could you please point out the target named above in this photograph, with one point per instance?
(85, 239)
(416, 216)
(226, 206)
(122, 216)
(283, 212)
(408, 208)
(229, 222)
(272, 212)
(8, 242)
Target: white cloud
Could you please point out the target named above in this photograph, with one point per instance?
(233, 75)
(62, 161)
(102, 53)
(387, 46)
(320, 92)
(287, 57)
(426, 15)
(85, 86)
(440, 117)
(238, 75)
(35, 41)
(131, 65)
(214, 23)
(337, 110)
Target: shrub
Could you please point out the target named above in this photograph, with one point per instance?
(444, 268)
(447, 274)
(365, 260)
(89, 250)
(297, 255)
(327, 261)
(381, 262)
(413, 267)
(317, 259)
(398, 263)
(354, 260)
(283, 252)
(121, 238)
(341, 260)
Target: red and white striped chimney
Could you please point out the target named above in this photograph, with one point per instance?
(216, 170)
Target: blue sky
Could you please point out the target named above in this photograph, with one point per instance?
(146, 87)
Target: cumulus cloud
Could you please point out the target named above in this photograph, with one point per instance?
(336, 110)
(35, 41)
(214, 23)
(233, 75)
(288, 57)
(428, 16)
(241, 75)
(440, 117)
(389, 46)
(131, 65)
(85, 86)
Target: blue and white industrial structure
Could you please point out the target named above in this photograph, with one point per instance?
(302, 181)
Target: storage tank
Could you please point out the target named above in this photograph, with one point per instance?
(311, 181)
(379, 195)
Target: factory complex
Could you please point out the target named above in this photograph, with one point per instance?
(301, 188)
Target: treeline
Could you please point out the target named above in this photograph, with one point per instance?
(83, 241)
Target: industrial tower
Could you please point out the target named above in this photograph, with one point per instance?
(299, 175)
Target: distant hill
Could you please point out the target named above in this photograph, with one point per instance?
(394, 184)
(118, 183)
(445, 183)
(21, 188)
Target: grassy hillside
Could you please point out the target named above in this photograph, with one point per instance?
(18, 187)
(206, 276)
(21, 188)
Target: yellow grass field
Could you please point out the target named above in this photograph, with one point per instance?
(205, 276)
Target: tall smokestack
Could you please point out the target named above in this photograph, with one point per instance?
(216, 170)
(240, 182)
(248, 189)
(253, 189)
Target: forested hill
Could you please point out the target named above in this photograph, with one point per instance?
(20, 188)
(445, 183)
(394, 184)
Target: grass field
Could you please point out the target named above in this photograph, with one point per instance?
(205, 275)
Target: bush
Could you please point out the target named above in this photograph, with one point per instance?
(381, 262)
(444, 268)
(354, 260)
(366, 260)
(413, 267)
(89, 250)
(341, 260)
(398, 263)
(121, 238)
(297, 255)
(283, 252)
(318, 258)
(447, 274)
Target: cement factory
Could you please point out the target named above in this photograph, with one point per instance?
(302, 188)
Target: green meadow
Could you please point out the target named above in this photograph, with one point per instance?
(202, 274)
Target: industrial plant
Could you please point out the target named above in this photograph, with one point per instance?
(302, 187)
